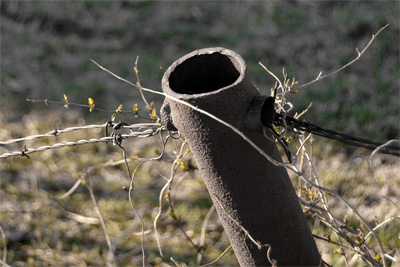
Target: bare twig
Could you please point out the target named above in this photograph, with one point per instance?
(317, 182)
(391, 201)
(217, 259)
(138, 83)
(73, 188)
(359, 54)
(382, 224)
(332, 242)
(354, 210)
(168, 194)
(158, 216)
(4, 239)
(303, 112)
(133, 207)
(3, 263)
(131, 177)
(128, 230)
(91, 107)
(256, 242)
(380, 147)
(111, 254)
(203, 232)
(168, 185)
(273, 75)
(174, 261)
(81, 219)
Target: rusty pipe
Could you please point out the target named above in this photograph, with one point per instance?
(245, 187)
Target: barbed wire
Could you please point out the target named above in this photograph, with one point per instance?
(143, 130)
(57, 132)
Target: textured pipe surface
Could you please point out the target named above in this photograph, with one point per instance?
(253, 191)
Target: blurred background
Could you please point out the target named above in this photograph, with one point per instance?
(46, 49)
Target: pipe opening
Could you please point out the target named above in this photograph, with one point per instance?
(204, 73)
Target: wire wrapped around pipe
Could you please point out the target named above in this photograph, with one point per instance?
(293, 124)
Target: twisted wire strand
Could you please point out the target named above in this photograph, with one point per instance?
(51, 133)
(112, 138)
(57, 132)
(297, 124)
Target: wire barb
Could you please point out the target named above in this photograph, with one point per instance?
(137, 130)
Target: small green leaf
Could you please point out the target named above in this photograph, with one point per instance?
(184, 166)
(114, 116)
(136, 110)
(339, 251)
(376, 220)
(91, 104)
(361, 226)
(119, 110)
(66, 101)
(153, 115)
(151, 106)
(360, 239)
(77, 175)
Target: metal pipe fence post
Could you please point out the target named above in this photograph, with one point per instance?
(253, 192)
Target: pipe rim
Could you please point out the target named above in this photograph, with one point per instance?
(234, 57)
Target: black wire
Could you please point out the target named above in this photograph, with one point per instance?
(293, 124)
(281, 141)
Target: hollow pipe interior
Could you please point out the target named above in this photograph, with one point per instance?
(204, 73)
